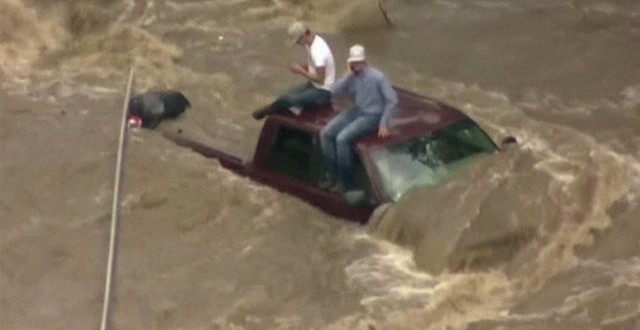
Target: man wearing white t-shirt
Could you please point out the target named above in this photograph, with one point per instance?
(319, 70)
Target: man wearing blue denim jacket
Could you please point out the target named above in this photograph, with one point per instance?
(374, 101)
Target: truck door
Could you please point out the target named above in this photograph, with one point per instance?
(297, 154)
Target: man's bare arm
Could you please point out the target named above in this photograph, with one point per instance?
(317, 77)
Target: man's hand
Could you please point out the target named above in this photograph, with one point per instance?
(383, 131)
(298, 68)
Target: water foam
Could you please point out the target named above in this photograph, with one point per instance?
(389, 277)
(584, 178)
(398, 295)
(24, 36)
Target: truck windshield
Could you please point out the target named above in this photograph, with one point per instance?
(431, 159)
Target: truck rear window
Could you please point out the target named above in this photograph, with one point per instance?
(294, 153)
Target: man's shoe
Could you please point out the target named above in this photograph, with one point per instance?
(261, 113)
(296, 110)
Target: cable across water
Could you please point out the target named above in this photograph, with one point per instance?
(115, 206)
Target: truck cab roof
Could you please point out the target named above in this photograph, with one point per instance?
(416, 115)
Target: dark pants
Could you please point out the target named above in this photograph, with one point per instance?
(304, 97)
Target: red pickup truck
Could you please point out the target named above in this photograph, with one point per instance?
(430, 143)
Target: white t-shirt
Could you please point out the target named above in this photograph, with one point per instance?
(319, 55)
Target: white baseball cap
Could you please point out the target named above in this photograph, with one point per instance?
(296, 30)
(356, 54)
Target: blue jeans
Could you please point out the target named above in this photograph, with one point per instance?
(338, 139)
(304, 97)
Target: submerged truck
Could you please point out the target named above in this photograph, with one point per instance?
(431, 142)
